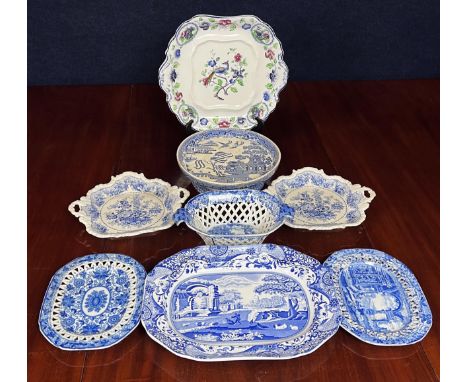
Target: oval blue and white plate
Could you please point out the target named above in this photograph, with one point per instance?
(219, 303)
(380, 298)
(93, 302)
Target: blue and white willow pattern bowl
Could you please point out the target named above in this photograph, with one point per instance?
(228, 159)
(234, 217)
(128, 205)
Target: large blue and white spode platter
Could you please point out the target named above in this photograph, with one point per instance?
(128, 205)
(223, 71)
(321, 201)
(227, 159)
(381, 300)
(241, 302)
(93, 302)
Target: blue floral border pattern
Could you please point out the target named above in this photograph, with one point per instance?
(321, 201)
(373, 266)
(71, 318)
(224, 169)
(250, 27)
(129, 219)
(162, 281)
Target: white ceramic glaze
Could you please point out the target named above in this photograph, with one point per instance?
(128, 205)
(321, 201)
(223, 71)
(227, 159)
(224, 303)
(234, 217)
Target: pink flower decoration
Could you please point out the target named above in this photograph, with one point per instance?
(224, 22)
(237, 57)
(224, 124)
(270, 54)
(178, 96)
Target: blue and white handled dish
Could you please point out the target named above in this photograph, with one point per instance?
(234, 217)
(223, 71)
(320, 201)
(227, 159)
(128, 205)
(380, 298)
(93, 302)
(224, 303)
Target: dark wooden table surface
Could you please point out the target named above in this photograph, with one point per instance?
(383, 134)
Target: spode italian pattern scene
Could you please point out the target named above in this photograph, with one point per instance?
(239, 302)
(227, 79)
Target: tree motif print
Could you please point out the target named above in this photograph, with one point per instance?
(223, 76)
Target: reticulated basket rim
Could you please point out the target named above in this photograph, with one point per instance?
(251, 235)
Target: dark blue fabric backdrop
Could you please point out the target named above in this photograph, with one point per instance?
(123, 41)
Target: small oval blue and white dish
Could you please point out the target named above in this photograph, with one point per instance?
(129, 205)
(220, 303)
(93, 302)
(381, 300)
(234, 217)
(228, 159)
(321, 201)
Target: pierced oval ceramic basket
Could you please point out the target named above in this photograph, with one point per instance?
(228, 159)
(234, 217)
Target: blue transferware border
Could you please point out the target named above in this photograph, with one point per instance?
(322, 213)
(275, 81)
(89, 213)
(87, 263)
(168, 275)
(189, 146)
(399, 281)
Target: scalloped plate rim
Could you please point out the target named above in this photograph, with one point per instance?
(165, 63)
(354, 186)
(114, 178)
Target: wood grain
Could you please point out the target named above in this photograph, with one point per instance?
(382, 134)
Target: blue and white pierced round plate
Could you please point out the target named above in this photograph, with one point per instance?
(128, 205)
(223, 71)
(381, 300)
(93, 302)
(321, 201)
(223, 303)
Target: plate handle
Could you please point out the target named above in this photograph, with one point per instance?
(368, 193)
(183, 194)
(180, 216)
(286, 211)
(72, 208)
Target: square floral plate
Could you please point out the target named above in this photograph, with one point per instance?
(128, 205)
(93, 302)
(380, 298)
(223, 71)
(223, 303)
(321, 201)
